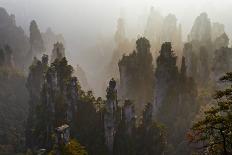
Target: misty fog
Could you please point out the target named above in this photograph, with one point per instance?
(85, 22)
(115, 77)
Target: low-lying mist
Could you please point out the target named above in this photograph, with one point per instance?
(88, 27)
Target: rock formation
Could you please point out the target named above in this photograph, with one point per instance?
(14, 36)
(166, 74)
(36, 41)
(110, 115)
(136, 75)
(175, 98)
(58, 52)
(80, 73)
(122, 46)
(50, 38)
(201, 29)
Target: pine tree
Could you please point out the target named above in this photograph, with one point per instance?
(213, 133)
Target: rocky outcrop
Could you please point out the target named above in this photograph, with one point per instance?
(80, 73)
(166, 74)
(175, 98)
(201, 29)
(58, 52)
(50, 38)
(136, 75)
(36, 41)
(122, 46)
(54, 94)
(14, 36)
(161, 29)
(110, 115)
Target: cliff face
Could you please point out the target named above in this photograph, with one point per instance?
(36, 41)
(13, 36)
(110, 115)
(136, 75)
(166, 74)
(201, 29)
(122, 46)
(34, 85)
(175, 98)
(198, 51)
(53, 99)
(221, 60)
(80, 73)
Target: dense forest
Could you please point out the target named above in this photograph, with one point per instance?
(161, 95)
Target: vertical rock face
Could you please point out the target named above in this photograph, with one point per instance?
(147, 114)
(163, 29)
(53, 100)
(58, 52)
(166, 74)
(136, 75)
(221, 64)
(110, 114)
(171, 32)
(34, 84)
(13, 36)
(175, 97)
(203, 68)
(122, 46)
(169, 28)
(201, 29)
(36, 41)
(154, 27)
(201, 50)
(191, 60)
(80, 73)
(129, 116)
(50, 38)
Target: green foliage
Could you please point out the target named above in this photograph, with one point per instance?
(71, 148)
(214, 132)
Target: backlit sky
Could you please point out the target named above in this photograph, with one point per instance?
(82, 21)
